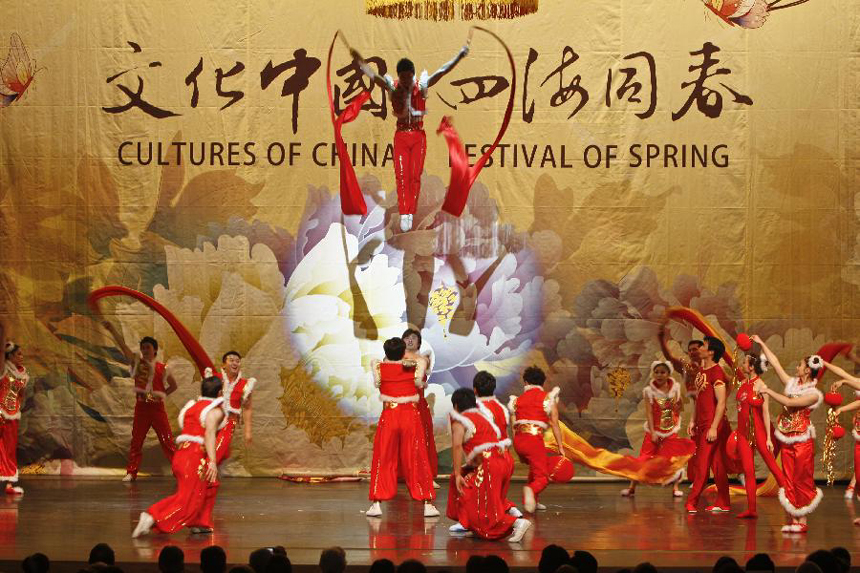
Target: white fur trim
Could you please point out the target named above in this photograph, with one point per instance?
(138, 359)
(535, 422)
(13, 371)
(399, 399)
(187, 438)
(484, 447)
(502, 406)
(13, 478)
(490, 418)
(205, 411)
(857, 393)
(815, 362)
(651, 391)
(665, 363)
(802, 511)
(809, 434)
(764, 363)
(249, 388)
(208, 372)
(795, 388)
(467, 423)
(856, 435)
(668, 434)
(512, 404)
(182, 412)
(677, 475)
(551, 398)
(15, 416)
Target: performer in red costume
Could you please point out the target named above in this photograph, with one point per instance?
(484, 385)
(152, 384)
(237, 408)
(710, 428)
(409, 104)
(412, 338)
(13, 382)
(754, 431)
(690, 367)
(478, 445)
(799, 497)
(398, 443)
(193, 465)
(533, 412)
(663, 406)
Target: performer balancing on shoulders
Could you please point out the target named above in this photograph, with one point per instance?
(409, 104)
(152, 384)
(398, 443)
(13, 383)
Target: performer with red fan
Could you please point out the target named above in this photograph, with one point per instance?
(13, 382)
(663, 422)
(794, 429)
(152, 384)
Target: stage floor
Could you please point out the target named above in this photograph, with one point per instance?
(65, 517)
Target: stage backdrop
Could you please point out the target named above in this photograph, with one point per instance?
(658, 155)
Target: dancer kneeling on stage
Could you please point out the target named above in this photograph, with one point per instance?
(796, 433)
(663, 405)
(477, 444)
(399, 434)
(534, 411)
(193, 464)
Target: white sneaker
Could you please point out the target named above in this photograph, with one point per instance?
(628, 492)
(849, 493)
(515, 512)
(144, 525)
(375, 510)
(457, 528)
(430, 510)
(529, 502)
(128, 478)
(540, 506)
(520, 528)
(14, 489)
(436, 485)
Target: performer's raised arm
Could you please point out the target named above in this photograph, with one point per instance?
(677, 362)
(774, 361)
(367, 70)
(120, 341)
(849, 379)
(427, 82)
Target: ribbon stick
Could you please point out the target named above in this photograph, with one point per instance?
(198, 355)
(351, 199)
(463, 176)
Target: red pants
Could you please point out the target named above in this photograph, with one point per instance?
(175, 512)
(428, 438)
(711, 455)
(400, 440)
(452, 510)
(149, 415)
(482, 507)
(8, 448)
(856, 462)
(798, 466)
(748, 462)
(532, 451)
(222, 452)
(410, 147)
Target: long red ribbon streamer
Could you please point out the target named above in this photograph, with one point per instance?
(463, 176)
(700, 322)
(351, 199)
(198, 355)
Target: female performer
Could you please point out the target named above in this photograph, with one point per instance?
(795, 431)
(12, 384)
(663, 421)
(754, 431)
(412, 338)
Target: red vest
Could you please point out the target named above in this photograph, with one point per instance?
(481, 434)
(497, 411)
(533, 406)
(706, 398)
(12, 393)
(396, 382)
(149, 381)
(236, 392)
(192, 419)
(418, 102)
(794, 424)
(665, 408)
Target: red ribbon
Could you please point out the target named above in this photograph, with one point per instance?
(198, 355)
(351, 199)
(463, 176)
(700, 322)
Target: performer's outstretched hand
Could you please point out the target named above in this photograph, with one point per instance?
(712, 434)
(460, 481)
(691, 428)
(211, 471)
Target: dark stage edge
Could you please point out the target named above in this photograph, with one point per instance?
(65, 517)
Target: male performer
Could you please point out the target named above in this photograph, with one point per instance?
(399, 434)
(711, 429)
(409, 104)
(412, 338)
(193, 465)
(534, 411)
(150, 391)
(484, 385)
(477, 443)
(237, 407)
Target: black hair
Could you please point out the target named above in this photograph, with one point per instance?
(584, 562)
(410, 331)
(756, 363)
(213, 560)
(259, 558)
(645, 567)
(102, 553)
(760, 562)
(717, 346)
(484, 383)
(475, 564)
(230, 353)
(844, 558)
(552, 557)
(279, 564)
(405, 65)
(154, 343)
(664, 365)
(333, 560)
(211, 386)
(695, 341)
(725, 559)
(36, 563)
(534, 375)
(826, 560)
(494, 564)
(394, 348)
(382, 566)
(463, 399)
(11, 348)
(171, 559)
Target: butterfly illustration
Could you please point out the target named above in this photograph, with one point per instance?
(16, 73)
(749, 14)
